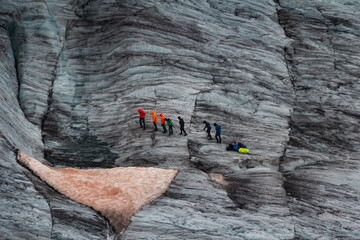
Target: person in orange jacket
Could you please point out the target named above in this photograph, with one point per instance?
(154, 119)
(163, 122)
(142, 118)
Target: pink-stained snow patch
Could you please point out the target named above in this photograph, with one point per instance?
(118, 193)
(218, 178)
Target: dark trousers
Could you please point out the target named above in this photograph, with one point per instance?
(208, 132)
(218, 137)
(182, 129)
(142, 122)
(155, 126)
(170, 130)
(164, 127)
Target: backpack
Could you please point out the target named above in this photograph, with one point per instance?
(243, 150)
(236, 147)
(230, 147)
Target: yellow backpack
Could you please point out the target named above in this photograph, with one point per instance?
(243, 150)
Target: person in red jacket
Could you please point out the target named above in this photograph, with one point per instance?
(142, 118)
(154, 119)
(163, 122)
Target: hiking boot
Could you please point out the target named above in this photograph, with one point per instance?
(144, 128)
(185, 134)
(180, 133)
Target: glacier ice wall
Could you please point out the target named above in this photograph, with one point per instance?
(282, 76)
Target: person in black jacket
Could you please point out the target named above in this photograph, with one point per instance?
(208, 128)
(182, 124)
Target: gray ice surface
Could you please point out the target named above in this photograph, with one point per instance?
(281, 76)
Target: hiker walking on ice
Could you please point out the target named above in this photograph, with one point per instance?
(208, 128)
(163, 122)
(154, 119)
(170, 124)
(218, 133)
(142, 118)
(182, 124)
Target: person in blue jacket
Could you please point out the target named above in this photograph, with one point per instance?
(218, 133)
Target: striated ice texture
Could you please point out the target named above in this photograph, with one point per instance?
(281, 76)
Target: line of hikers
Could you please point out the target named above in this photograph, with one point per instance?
(163, 120)
(235, 146)
(181, 123)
